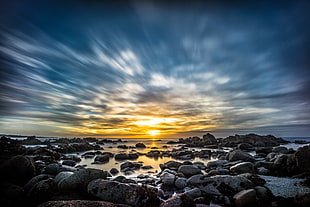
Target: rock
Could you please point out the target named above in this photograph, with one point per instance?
(178, 200)
(189, 170)
(194, 193)
(146, 167)
(209, 139)
(245, 198)
(245, 146)
(54, 169)
(79, 180)
(35, 180)
(19, 169)
(263, 171)
(71, 163)
(43, 190)
(282, 150)
(172, 165)
(253, 139)
(62, 175)
(263, 194)
(180, 183)
(302, 200)
(239, 155)
(302, 158)
(130, 194)
(13, 194)
(255, 179)
(218, 171)
(244, 167)
(102, 158)
(130, 165)
(140, 145)
(73, 157)
(80, 203)
(222, 184)
(217, 163)
(167, 179)
(121, 156)
(114, 171)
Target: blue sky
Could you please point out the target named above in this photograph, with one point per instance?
(154, 69)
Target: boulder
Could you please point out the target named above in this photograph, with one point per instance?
(253, 139)
(140, 145)
(239, 155)
(62, 175)
(129, 194)
(114, 171)
(194, 193)
(189, 170)
(180, 183)
(71, 163)
(172, 165)
(243, 167)
(19, 169)
(302, 158)
(35, 180)
(282, 150)
(43, 190)
(216, 163)
(178, 200)
(80, 203)
(121, 156)
(167, 179)
(102, 158)
(79, 180)
(245, 198)
(209, 139)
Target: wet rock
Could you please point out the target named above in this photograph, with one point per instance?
(114, 171)
(302, 158)
(253, 139)
(140, 145)
(102, 158)
(146, 167)
(217, 163)
(12, 195)
(19, 169)
(239, 155)
(54, 169)
(121, 156)
(255, 179)
(244, 167)
(209, 139)
(194, 193)
(245, 198)
(172, 165)
(263, 194)
(80, 203)
(62, 175)
(71, 163)
(72, 157)
(130, 194)
(245, 146)
(282, 150)
(180, 183)
(43, 190)
(167, 179)
(79, 180)
(218, 171)
(189, 170)
(35, 180)
(178, 200)
(130, 165)
(263, 171)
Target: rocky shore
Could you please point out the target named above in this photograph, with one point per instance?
(248, 170)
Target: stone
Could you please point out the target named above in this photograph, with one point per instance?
(62, 175)
(121, 156)
(280, 149)
(189, 170)
(102, 158)
(180, 183)
(71, 163)
(209, 139)
(114, 171)
(172, 165)
(167, 179)
(80, 203)
(35, 180)
(302, 158)
(239, 155)
(263, 193)
(217, 163)
(255, 179)
(79, 180)
(194, 193)
(19, 169)
(178, 200)
(244, 167)
(129, 194)
(43, 190)
(140, 145)
(245, 198)
(263, 171)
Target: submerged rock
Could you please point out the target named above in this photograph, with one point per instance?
(130, 194)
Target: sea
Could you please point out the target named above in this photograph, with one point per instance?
(151, 144)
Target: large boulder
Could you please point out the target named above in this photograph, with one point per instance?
(302, 158)
(243, 167)
(253, 139)
(167, 179)
(172, 165)
(80, 203)
(43, 190)
(189, 170)
(239, 155)
(140, 145)
(33, 181)
(102, 158)
(19, 169)
(245, 198)
(221, 184)
(79, 180)
(178, 200)
(209, 139)
(130, 194)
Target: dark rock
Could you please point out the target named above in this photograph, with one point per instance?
(194, 193)
(180, 183)
(253, 139)
(244, 167)
(114, 171)
(239, 155)
(282, 150)
(62, 175)
(172, 165)
(167, 179)
(102, 158)
(36, 180)
(245, 146)
(43, 190)
(121, 156)
(130, 194)
(12, 195)
(179, 200)
(79, 180)
(146, 167)
(140, 145)
(189, 170)
(19, 169)
(209, 139)
(255, 179)
(245, 198)
(71, 163)
(302, 158)
(80, 203)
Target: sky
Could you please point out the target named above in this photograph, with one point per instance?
(154, 69)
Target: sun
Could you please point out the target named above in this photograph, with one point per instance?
(153, 132)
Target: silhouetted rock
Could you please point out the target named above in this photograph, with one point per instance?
(81, 203)
(140, 145)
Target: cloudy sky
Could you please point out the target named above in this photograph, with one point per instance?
(146, 69)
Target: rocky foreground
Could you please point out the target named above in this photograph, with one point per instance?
(47, 177)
